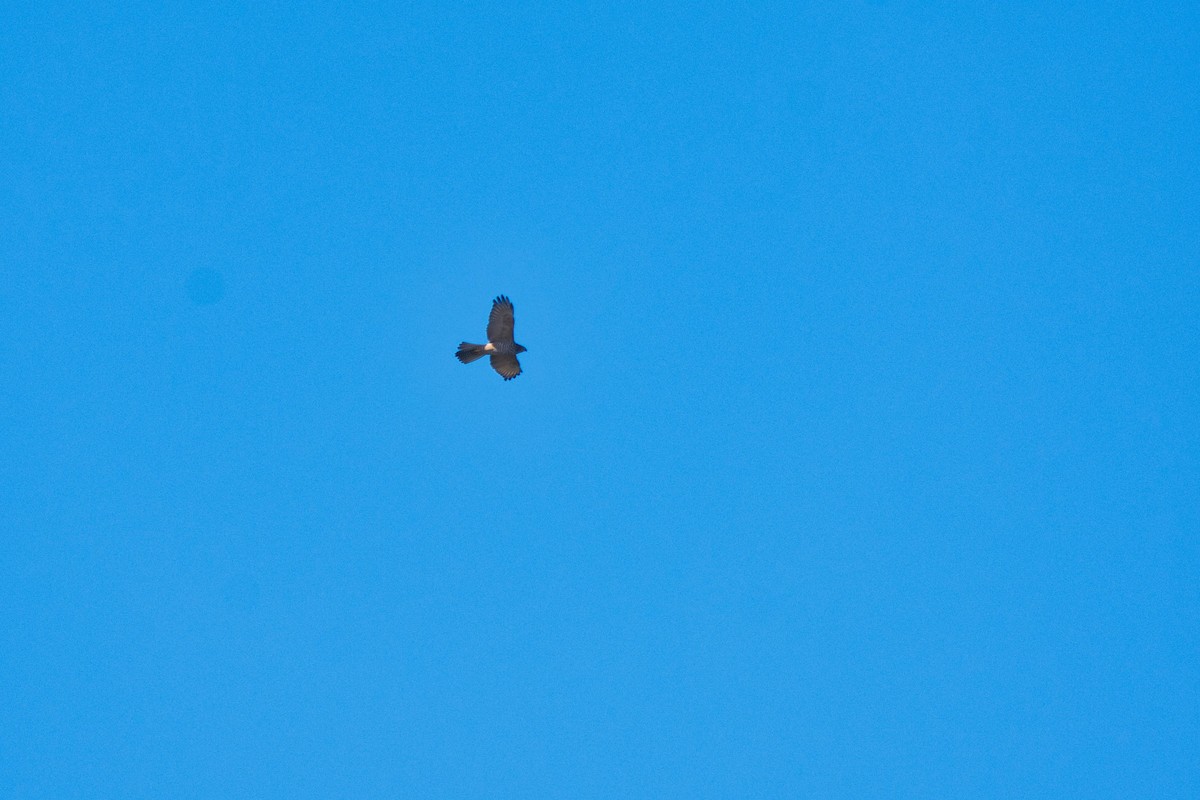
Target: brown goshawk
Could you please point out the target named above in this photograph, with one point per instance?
(500, 345)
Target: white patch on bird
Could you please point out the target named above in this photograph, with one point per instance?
(489, 347)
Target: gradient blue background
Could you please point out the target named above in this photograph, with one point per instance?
(857, 452)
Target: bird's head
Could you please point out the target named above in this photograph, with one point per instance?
(520, 348)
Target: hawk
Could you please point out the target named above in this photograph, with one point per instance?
(500, 345)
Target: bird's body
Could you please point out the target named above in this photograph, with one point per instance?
(500, 345)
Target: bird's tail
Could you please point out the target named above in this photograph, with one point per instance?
(468, 352)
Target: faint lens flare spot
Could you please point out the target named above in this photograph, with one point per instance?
(205, 286)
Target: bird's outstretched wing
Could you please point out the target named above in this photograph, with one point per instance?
(500, 324)
(507, 366)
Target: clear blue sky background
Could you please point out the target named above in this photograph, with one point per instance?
(857, 452)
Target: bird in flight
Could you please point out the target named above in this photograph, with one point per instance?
(500, 345)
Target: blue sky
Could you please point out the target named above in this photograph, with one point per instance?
(856, 452)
